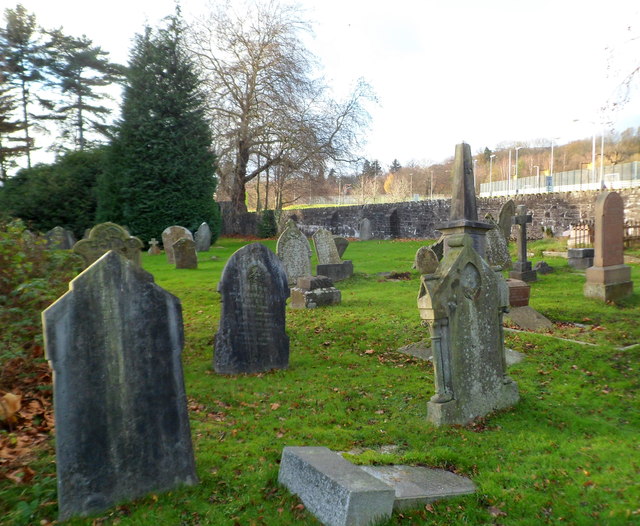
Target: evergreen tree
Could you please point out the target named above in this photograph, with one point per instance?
(10, 145)
(78, 69)
(21, 55)
(162, 169)
(395, 166)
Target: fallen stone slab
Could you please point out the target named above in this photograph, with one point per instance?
(421, 349)
(416, 486)
(335, 491)
(527, 318)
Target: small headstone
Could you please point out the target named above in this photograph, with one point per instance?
(203, 238)
(314, 291)
(105, 237)
(609, 279)
(154, 250)
(334, 490)
(122, 429)
(426, 261)
(169, 236)
(294, 251)
(341, 245)
(519, 292)
(580, 258)
(184, 253)
(522, 268)
(251, 337)
(59, 238)
(496, 248)
(505, 218)
(542, 267)
(326, 249)
(365, 230)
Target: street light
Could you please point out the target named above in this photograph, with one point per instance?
(538, 175)
(491, 174)
(593, 154)
(553, 139)
(517, 168)
(474, 174)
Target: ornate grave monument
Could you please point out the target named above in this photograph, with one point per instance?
(463, 302)
(105, 237)
(294, 251)
(522, 268)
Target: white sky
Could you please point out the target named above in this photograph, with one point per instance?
(482, 71)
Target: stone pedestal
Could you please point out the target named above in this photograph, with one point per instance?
(523, 271)
(580, 258)
(336, 271)
(314, 291)
(608, 283)
(519, 293)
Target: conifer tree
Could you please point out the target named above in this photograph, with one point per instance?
(162, 167)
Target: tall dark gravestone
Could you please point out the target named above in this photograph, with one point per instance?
(522, 268)
(114, 342)
(463, 302)
(251, 337)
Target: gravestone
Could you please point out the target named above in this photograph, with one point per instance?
(522, 268)
(329, 262)
(505, 218)
(251, 337)
(426, 260)
(169, 236)
(314, 291)
(122, 430)
(463, 303)
(59, 238)
(294, 251)
(203, 238)
(154, 250)
(341, 245)
(609, 279)
(496, 248)
(184, 253)
(105, 237)
(580, 258)
(365, 230)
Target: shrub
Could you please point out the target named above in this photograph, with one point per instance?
(267, 227)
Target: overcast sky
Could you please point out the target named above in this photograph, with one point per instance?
(485, 72)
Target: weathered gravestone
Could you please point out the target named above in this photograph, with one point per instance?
(154, 250)
(169, 236)
(463, 302)
(105, 237)
(251, 337)
(426, 260)
(184, 253)
(609, 279)
(341, 245)
(496, 248)
(314, 291)
(122, 429)
(329, 262)
(505, 218)
(522, 268)
(59, 238)
(294, 251)
(365, 230)
(203, 238)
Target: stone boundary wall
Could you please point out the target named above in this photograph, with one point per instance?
(419, 219)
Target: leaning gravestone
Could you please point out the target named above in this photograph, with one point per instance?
(203, 238)
(59, 238)
(426, 260)
(341, 245)
(496, 250)
(294, 251)
(505, 218)
(184, 253)
(122, 430)
(105, 237)
(365, 230)
(463, 302)
(609, 279)
(169, 236)
(251, 337)
(329, 262)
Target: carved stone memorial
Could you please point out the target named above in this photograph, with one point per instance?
(522, 268)
(505, 218)
(496, 247)
(184, 253)
(122, 430)
(203, 238)
(426, 260)
(105, 237)
(365, 229)
(329, 262)
(609, 279)
(314, 291)
(251, 337)
(341, 245)
(294, 251)
(169, 236)
(59, 238)
(463, 302)
(154, 249)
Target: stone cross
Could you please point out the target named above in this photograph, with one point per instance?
(522, 268)
(153, 247)
(114, 342)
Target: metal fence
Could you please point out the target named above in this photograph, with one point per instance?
(614, 177)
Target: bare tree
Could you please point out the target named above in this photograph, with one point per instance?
(266, 109)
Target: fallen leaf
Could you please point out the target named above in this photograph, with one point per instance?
(369, 351)
(275, 406)
(496, 512)
(9, 406)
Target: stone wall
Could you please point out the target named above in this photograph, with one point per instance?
(419, 219)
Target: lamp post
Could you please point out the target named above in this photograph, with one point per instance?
(538, 174)
(509, 173)
(553, 140)
(491, 174)
(518, 148)
(474, 174)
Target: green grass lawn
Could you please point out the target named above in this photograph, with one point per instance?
(568, 452)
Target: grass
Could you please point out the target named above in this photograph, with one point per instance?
(568, 452)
